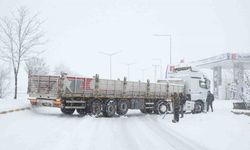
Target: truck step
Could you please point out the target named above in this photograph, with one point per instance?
(149, 107)
(150, 103)
(81, 102)
(75, 107)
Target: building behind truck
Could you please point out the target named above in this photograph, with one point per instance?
(112, 97)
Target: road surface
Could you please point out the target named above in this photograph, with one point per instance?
(47, 128)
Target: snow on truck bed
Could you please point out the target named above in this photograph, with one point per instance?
(47, 128)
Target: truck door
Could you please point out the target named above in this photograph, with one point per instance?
(195, 88)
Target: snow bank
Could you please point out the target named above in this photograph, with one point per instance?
(241, 111)
(9, 103)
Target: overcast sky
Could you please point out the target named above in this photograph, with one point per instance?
(78, 30)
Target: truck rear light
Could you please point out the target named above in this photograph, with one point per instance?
(33, 101)
(57, 103)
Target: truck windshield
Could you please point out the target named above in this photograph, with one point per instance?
(203, 84)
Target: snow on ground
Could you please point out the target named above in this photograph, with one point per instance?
(9, 103)
(47, 128)
(220, 130)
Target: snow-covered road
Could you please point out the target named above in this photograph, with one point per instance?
(47, 128)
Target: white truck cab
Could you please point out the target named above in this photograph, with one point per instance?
(196, 85)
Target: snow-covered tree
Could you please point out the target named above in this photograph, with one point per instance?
(59, 69)
(4, 81)
(36, 65)
(20, 35)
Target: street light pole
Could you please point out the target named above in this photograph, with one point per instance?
(128, 65)
(143, 71)
(110, 61)
(110, 66)
(170, 45)
(160, 61)
(155, 71)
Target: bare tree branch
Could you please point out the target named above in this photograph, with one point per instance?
(20, 35)
(36, 65)
(4, 81)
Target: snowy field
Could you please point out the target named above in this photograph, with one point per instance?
(47, 128)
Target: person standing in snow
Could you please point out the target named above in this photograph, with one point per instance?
(182, 103)
(209, 100)
(176, 107)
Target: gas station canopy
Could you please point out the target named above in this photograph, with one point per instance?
(226, 61)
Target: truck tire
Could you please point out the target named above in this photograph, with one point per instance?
(162, 107)
(122, 108)
(96, 108)
(81, 111)
(143, 110)
(110, 109)
(67, 111)
(198, 107)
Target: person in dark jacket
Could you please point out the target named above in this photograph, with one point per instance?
(209, 100)
(183, 99)
(176, 107)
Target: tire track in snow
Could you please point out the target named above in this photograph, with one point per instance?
(173, 138)
(184, 138)
(113, 133)
(140, 136)
(154, 141)
(99, 135)
(128, 140)
(79, 134)
(75, 132)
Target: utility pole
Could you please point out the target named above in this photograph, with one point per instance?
(160, 63)
(143, 71)
(170, 44)
(128, 65)
(110, 61)
(155, 72)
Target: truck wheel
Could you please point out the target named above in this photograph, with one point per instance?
(110, 109)
(143, 110)
(156, 112)
(198, 107)
(96, 108)
(162, 107)
(81, 111)
(122, 108)
(67, 111)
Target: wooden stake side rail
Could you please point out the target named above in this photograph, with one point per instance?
(56, 87)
